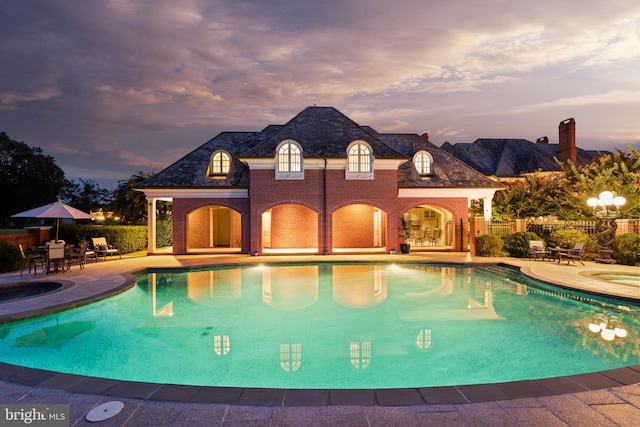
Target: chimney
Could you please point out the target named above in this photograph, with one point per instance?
(425, 136)
(567, 140)
(542, 140)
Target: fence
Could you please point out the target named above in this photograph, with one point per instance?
(545, 226)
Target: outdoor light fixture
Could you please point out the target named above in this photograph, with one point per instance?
(608, 326)
(606, 209)
(606, 206)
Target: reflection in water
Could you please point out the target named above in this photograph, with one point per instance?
(221, 345)
(360, 353)
(361, 326)
(290, 357)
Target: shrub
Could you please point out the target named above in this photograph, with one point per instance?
(517, 244)
(626, 249)
(10, 257)
(164, 234)
(489, 245)
(568, 238)
(126, 238)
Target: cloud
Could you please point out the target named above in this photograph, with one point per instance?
(135, 76)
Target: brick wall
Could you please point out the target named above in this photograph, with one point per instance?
(293, 226)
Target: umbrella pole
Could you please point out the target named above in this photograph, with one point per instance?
(57, 228)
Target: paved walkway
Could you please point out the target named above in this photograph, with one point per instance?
(610, 398)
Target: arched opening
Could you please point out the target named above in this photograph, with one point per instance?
(359, 227)
(214, 229)
(289, 229)
(431, 227)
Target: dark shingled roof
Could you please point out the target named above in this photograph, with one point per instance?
(322, 132)
(507, 158)
(448, 171)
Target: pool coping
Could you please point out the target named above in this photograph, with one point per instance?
(460, 394)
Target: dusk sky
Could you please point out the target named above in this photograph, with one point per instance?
(110, 88)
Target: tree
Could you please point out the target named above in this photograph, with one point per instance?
(130, 204)
(535, 196)
(85, 195)
(28, 178)
(618, 172)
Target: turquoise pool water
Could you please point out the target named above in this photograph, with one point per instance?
(331, 326)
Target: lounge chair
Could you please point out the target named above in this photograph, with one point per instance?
(574, 254)
(32, 260)
(537, 250)
(101, 248)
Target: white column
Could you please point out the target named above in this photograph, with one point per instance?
(486, 202)
(151, 226)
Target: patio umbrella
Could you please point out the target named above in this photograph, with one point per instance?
(56, 211)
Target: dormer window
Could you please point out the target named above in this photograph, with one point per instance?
(220, 164)
(289, 160)
(423, 163)
(360, 161)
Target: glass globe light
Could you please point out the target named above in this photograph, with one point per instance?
(594, 328)
(606, 196)
(619, 201)
(620, 332)
(592, 202)
(608, 334)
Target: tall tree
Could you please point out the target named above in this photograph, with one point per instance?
(130, 204)
(85, 195)
(28, 178)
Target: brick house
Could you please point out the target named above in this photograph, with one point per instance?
(319, 184)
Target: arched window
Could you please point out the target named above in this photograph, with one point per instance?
(360, 161)
(220, 163)
(289, 160)
(423, 163)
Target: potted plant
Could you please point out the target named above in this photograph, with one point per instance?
(405, 246)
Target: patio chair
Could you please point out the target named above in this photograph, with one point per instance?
(32, 260)
(420, 236)
(537, 250)
(101, 248)
(55, 256)
(574, 254)
(435, 237)
(79, 255)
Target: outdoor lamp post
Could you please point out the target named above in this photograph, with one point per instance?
(606, 209)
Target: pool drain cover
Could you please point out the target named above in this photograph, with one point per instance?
(105, 411)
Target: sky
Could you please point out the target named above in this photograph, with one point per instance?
(113, 88)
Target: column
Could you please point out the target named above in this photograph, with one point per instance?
(151, 226)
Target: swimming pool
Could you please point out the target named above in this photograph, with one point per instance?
(331, 325)
(620, 278)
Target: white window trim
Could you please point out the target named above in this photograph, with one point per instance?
(288, 174)
(426, 153)
(359, 175)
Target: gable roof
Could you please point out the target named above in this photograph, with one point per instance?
(508, 158)
(322, 132)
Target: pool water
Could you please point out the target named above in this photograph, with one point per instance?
(620, 278)
(330, 325)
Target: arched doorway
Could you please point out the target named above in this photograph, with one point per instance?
(359, 226)
(289, 228)
(431, 227)
(214, 229)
